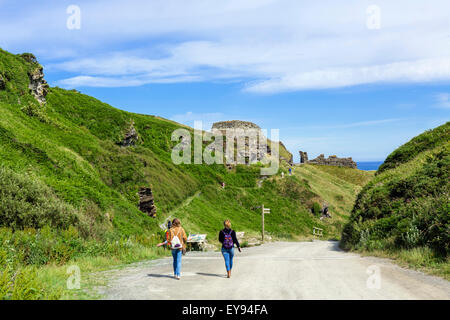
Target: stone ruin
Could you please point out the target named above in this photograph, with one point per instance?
(235, 124)
(147, 202)
(248, 129)
(330, 161)
(303, 157)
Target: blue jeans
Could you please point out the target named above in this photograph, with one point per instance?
(176, 262)
(228, 255)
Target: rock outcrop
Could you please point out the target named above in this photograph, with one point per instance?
(38, 85)
(131, 137)
(330, 161)
(147, 201)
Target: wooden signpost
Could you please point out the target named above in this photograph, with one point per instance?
(264, 211)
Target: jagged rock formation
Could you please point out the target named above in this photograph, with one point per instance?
(38, 85)
(330, 161)
(147, 202)
(131, 137)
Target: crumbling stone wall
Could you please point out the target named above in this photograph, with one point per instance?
(303, 157)
(248, 129)
(330, 161)
(235, 124)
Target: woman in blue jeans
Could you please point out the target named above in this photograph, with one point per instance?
(177, 241)
(228, 238)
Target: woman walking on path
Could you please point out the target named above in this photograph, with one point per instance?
(177, 239)
(228, 238)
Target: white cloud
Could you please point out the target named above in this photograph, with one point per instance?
(411, 71)
(111, 82)
(271, 45)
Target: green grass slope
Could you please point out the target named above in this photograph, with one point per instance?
(68, 191)
(337, 186)
(423, 142)
(405, 208)
(70, 147)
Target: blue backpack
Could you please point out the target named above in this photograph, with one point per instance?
(228, 240)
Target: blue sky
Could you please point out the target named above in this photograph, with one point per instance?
(352, 78)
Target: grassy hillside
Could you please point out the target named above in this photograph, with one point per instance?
(337, 186)
(426, 141)
(69, 190)
(405, 208)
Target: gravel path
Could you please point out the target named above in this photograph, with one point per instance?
(279, 270)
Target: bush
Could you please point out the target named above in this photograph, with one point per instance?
(33, 110)
(316, 209)
(28, 203)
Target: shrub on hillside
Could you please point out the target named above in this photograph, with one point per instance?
(28, 203)
(29, 57)
(294, 188)
(33, 110)
(316, 209)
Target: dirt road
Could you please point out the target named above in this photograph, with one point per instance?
(281, 270)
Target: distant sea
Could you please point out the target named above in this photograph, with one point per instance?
(369, 165)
